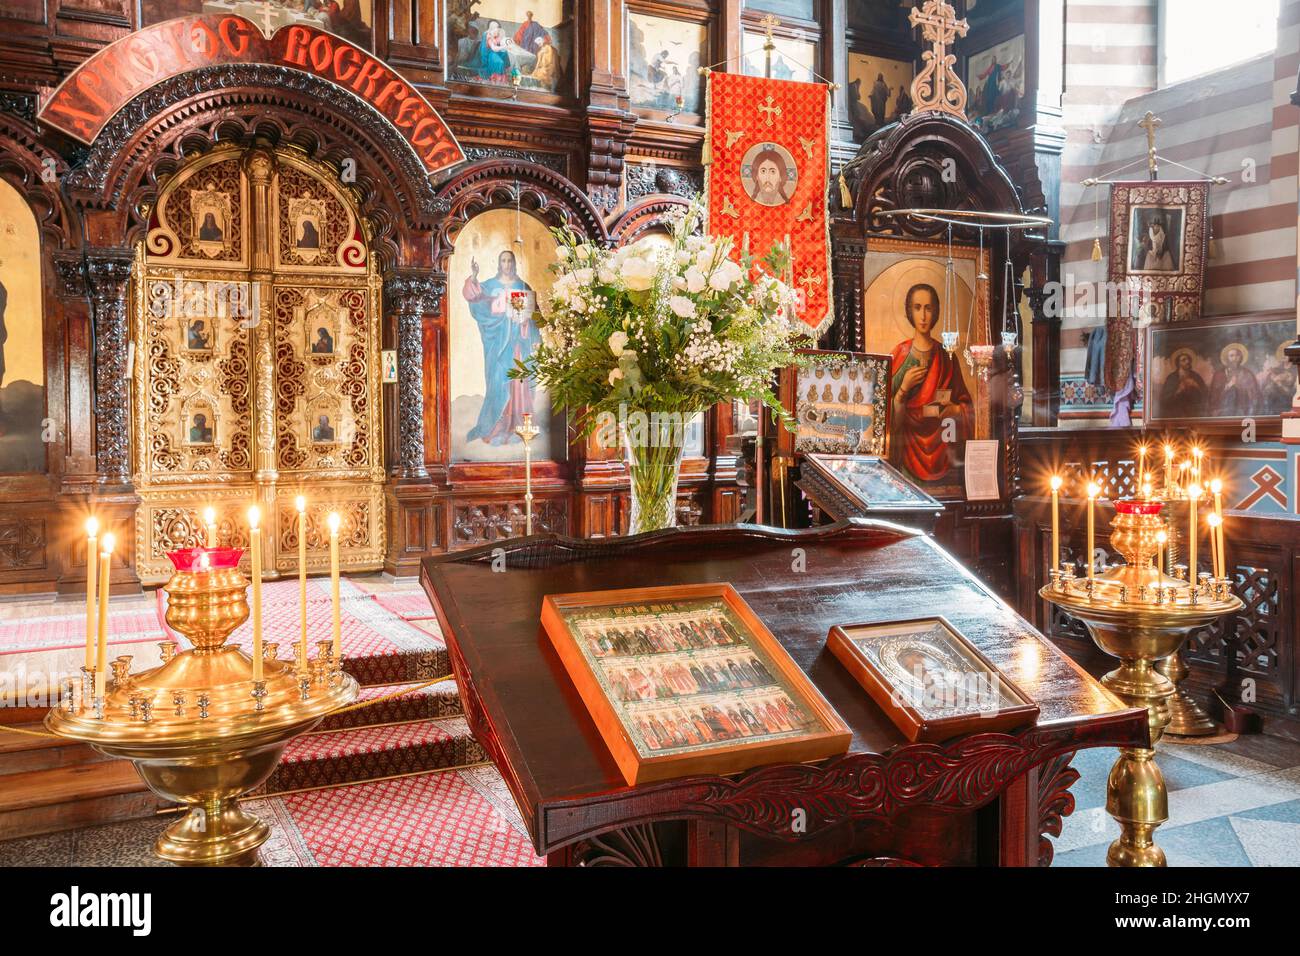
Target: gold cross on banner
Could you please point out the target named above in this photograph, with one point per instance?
(1151, 123)
(770, 110)
(937, 87)
(809, 279)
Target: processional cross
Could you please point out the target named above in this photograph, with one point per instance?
(1151, 123)
(768, 23)
(937, 87)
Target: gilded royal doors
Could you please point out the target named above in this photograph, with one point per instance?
(256, 372)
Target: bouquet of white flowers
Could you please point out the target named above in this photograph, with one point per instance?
(638, 340)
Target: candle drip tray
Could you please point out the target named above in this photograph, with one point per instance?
(202, 695)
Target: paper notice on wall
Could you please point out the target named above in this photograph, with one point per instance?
(982, 470)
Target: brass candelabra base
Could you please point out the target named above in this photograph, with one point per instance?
(1139, 634)
(200, 730)
(1140, 615)
(1186, 717)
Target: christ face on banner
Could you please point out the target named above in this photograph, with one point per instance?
(769, 174)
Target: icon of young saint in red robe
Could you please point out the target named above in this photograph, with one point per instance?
(927, 390)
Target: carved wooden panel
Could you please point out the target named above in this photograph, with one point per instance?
(483, 522)
(315, 230)
(193, 404)
(22, 543)
(325, 381)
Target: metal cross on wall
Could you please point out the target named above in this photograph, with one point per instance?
(937, 87)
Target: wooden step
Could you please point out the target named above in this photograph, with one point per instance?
(440, 700)
(61, 798)
(372, 753)
(21, 753)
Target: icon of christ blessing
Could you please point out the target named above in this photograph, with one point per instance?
(508, 333)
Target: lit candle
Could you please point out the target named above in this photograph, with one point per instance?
(1162, 539)
(1169, 464)
(334, 582)
(301, 502)
(1142, 463)
(210, 519)
(1196, 463)
(1146, 490)
(92, 550)
(1193, 496)
(101, 661)
(1216, 544)
(1056, 524)
(255, 553)
(1216, 489)
(1093, 492)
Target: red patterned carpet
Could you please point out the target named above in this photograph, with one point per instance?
(452, 818)
(439, 819)
(402, 783)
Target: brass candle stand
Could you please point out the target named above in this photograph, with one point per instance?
(1141, 615)
(527, 432)
(1187, 718)
(198, 728)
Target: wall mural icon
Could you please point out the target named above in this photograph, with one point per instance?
(665, 57)
(22, 359)
(351, 19)
(499, 275)
(509, 42)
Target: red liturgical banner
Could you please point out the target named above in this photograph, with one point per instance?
(94, 92)
(767, 176)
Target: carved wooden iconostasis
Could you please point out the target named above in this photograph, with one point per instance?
(565, 114)
(256, 378)
(882, 261)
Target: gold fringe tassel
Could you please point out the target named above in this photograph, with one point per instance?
(846, 197)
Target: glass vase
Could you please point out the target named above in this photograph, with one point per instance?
(654, 463)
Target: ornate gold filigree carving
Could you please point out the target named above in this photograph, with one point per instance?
(249, 367)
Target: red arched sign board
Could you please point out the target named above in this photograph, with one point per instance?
(91, 95)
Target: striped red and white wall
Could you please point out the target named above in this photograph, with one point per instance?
(1238, 123)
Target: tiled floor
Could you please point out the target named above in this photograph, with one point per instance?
(1230, 804)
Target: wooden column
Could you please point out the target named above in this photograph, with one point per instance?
(408, 297)
(609, 121)
(109, 280)
(115, 502)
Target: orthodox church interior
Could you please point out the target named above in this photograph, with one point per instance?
(328, 329)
